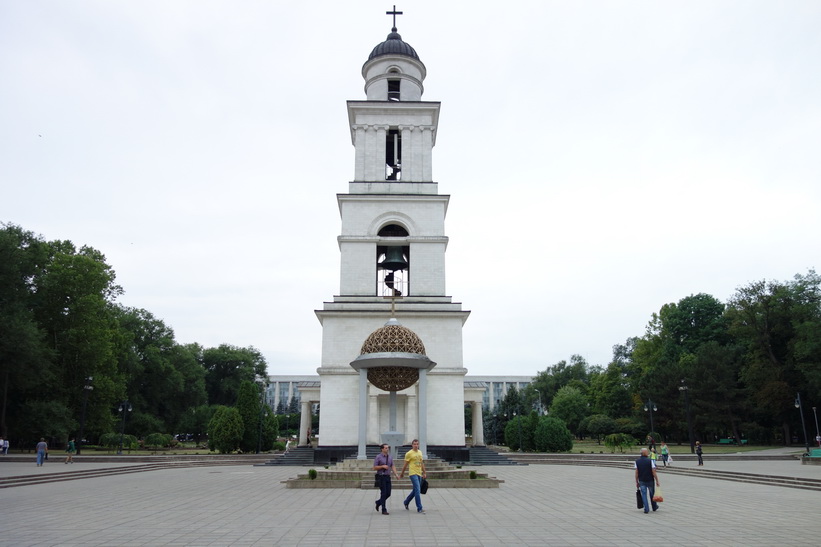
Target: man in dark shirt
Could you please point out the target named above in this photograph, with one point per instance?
(645, 477)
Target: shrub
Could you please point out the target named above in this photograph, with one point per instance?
(552, 435)
(312, 474)
(620, 441)
(156, 441)
(225, 430)
(473, 474)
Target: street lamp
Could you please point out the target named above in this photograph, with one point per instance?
(520, 428)
(683, 387)
(803, 426)
(87, 387)
(541, 407)
(261, 382)
(817, 433)
(651, 406)
(125, 407)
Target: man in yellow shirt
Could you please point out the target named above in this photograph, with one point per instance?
(413, 459)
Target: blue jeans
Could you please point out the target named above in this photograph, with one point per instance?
(648, 490)
(416, 481)
(41, 456)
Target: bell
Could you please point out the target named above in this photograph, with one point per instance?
(394, 260)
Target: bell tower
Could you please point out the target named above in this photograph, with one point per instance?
(392, 258)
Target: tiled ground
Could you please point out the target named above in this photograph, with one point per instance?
(537, 505)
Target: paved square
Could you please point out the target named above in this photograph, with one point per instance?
(537, 505)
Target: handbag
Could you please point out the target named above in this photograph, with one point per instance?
(423, 486)
(657, 496)
(639, 501)
(376, 483)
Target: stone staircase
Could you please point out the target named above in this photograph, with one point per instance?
(353, 473)
(482, 455)
(301, 456)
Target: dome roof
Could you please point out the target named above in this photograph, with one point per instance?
(393, 338)
(394, 46)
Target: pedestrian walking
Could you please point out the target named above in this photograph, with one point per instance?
(699, 452)
(665, 453)
(71, 449)
(414, 461)
(42, 451)
(645, 478)
(383, 465)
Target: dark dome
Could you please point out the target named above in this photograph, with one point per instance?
(394, 46)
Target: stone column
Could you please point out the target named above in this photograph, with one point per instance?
(373, 418)
(363, 413)
(409, 168)
(477, 425)
(305, 423)
(423, 412)
(360, 143)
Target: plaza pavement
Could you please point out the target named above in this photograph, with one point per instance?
(537, 505)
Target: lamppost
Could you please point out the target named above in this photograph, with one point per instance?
(683, 388)
(125, 407)
(86, 390)
(817, 433)
(520, 427)
(651, 406)
(803, 426)
(261, 382)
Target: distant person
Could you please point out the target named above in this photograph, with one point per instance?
(651, 442)
(645, 477)
(665, 453)
(413, 460)
(384, 467)
(5, 446)
(653, 455)
(2, 444)
(42, 451)
(71, 449)
(699, 452)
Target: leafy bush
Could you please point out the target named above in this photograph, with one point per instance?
(111, 441)
(621, 441)
(473, 474)
(312, 474)
(552, 435)
(156, 441)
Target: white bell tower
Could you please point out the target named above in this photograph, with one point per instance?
(392, 247)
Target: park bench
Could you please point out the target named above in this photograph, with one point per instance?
(730, 441)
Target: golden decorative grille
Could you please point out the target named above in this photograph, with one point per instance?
(393, 378)
(393, 338)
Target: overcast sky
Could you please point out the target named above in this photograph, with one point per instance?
(603, 158)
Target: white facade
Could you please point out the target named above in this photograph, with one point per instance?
(392, 204)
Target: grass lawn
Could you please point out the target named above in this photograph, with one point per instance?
(587, 445)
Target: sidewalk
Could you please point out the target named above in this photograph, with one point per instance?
(537, 505)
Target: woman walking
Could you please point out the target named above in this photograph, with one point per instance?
(71, 449)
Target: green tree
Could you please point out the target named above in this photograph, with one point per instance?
(778, 325)
(270, 429)
(249, 407)
(225, 430)
(226, 367)
(570, 406)
(600, 425)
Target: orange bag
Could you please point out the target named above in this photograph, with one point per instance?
(657, 495)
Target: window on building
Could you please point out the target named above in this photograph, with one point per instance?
(393, 90)
(393, 155)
